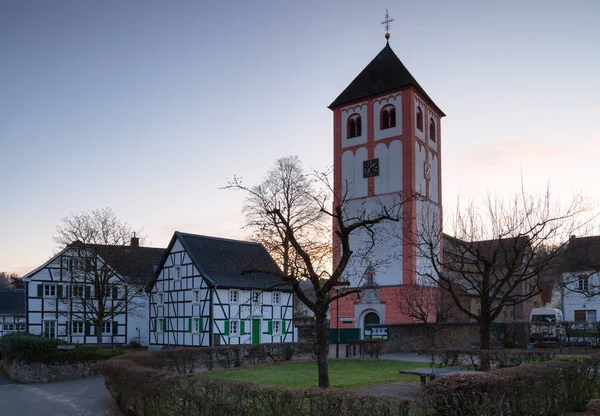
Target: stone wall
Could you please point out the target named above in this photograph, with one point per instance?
(42, 372)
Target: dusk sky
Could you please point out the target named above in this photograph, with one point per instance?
(148, 107)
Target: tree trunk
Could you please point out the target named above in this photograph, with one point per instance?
(98, 330)
(485, 344)
(321, 349)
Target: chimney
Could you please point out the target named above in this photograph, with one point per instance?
(573, 237)
(135, 242)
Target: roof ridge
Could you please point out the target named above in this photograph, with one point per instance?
(218, 238)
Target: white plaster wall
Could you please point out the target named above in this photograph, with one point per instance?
(353, 183)
(138, 320)
(348, 174)
(420, 181)
(428, 230)
(434, 182)
(390, 167)
(360, 109)
(385, 256)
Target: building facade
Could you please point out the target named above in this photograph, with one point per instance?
(387, 153)
(12, 312)
(86, 288)
(211, 291)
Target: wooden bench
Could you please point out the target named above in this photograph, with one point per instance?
(433, 373)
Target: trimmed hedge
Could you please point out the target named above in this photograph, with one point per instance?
(499, 358)
(549, 388)
(27, 348)
(159, 383)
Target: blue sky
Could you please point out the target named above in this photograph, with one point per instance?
(148, 106)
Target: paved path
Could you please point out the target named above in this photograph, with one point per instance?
(86, 397)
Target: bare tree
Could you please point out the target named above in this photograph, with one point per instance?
(497, 253)
(291, 212)
(99, 262)
(5, 281)
(424, 304)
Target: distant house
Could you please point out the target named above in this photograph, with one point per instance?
(212, 291)
(12, 312)
(63, 294)
(580, 280)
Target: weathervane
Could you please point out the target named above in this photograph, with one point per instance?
(387, 22)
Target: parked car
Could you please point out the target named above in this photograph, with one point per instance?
(546, 325)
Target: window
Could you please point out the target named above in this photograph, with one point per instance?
(276, 327)
(583, 283)
(256, 297)
(159, 298)
(234, 296)
(177, 272)
(388, 117)
(49, 329)
(234, 327)
(276, 298)
(78, 291)
(196, 294)
(77, 327)
(9, 326)
(49, 291)
(354, 128)
(106, 327)
(585, 316)
(431, 130)
(419, 119)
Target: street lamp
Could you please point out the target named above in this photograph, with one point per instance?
(337, 314)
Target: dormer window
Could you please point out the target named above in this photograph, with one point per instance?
(354, 126)
(431, 130)
(388, 117)
(419, 119)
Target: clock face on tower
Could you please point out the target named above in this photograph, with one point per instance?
(370, 168)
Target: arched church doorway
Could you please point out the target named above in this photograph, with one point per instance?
(370, 319)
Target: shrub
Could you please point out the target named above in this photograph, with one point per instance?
(547, 388)
(156, 384)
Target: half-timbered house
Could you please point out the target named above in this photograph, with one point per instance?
(12, 312)
(88, 291)
(212, 291)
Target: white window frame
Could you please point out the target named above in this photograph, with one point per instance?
(49, 288)
(583, 283)
(105, 325)
(256, 298)
(196, 296)
(160, 299)
(76, 288)
(177, 273)
(276, 297)
(9, 326)
(20, 326)
(234, 328)
(77, 328)
(234, 296)
(45, 325)
(276, 327)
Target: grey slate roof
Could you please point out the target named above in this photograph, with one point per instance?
(222, 261)
(12, 303)
(135, 264)
(383, 74)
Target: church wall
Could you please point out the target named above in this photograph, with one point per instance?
(378, 104)
(361, 110)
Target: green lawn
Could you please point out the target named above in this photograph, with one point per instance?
(342, 373)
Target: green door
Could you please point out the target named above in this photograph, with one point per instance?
(256, 331)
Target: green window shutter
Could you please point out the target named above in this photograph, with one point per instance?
(153, 325)
(283, 327)
(69, 326)
(115, 327)
(88, 328)
(226, 327)
(115, 292)
(59, 290)
(88, 292)
(270, 327)
(190, 324)
(40, 291)
(242, 327)
(164, 324)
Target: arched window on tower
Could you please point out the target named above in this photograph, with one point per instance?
(431, 129)
(419, 119)
(354, 128)
(388, 117)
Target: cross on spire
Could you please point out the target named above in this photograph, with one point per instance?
(386, 24)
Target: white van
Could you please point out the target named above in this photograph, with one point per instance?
(546, 324)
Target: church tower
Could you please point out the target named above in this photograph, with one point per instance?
(386, 143)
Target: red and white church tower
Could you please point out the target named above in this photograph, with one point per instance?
(386, 143)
